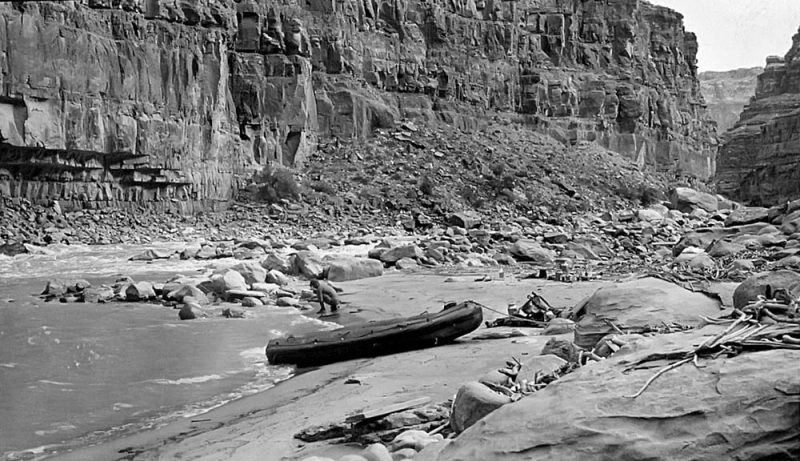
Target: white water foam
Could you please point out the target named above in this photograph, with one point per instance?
(54, 383)
(190, 380)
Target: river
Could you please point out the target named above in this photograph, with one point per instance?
(79, 373)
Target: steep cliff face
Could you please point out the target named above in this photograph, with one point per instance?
(726, 94)
(172, 101)
(759, 161)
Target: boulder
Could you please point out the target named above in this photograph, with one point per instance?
(140, 291)
(790, 223)
(772, 240)
(376, 452)
(309, 264)
(465, 220)
(344, 269)
(187, 290)
(206, 252)
(735, 407)
(686, 200)
(406, 264)
(722, 249)
(688, 254)
(404, 454)
(531, 250)
(249, 301)
(395, 254)
(556, 237)
(191, 311)
(233, 312)
(637, 304)
(376, 253)
(248, 253)
(562, 348)
(99, 294)
(189, 252)
(287, 301)
(435, 254)
(747, 215)
(414, 439)
(252, 272)
(789, 262)
(474, 401)
(542, 364)
(228, 280)
(277, 261)
(558, 326)
(765, 284)
(277, 277)
(650, 216)
(702, 261)
(743, 265)
(13, 249)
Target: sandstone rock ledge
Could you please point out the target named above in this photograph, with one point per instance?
(745, 407)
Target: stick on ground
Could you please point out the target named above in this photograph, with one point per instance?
(659, 373)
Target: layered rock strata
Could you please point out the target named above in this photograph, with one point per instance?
(726, 93)
(759, 161)
(215, 90)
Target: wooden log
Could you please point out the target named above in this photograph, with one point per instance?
(386, 410)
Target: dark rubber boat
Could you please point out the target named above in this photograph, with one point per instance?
(375, 338)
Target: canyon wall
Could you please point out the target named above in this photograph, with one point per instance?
(180, 101)
(759, 160)
(726, 93)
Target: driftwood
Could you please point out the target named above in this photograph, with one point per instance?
(386, 410)
(744, 333)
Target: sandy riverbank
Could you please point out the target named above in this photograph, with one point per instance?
(262, 426)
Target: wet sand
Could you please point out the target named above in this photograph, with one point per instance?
(262, 426)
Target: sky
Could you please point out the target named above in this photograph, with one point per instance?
(738, 33)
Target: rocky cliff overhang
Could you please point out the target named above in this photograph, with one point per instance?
(217, 89)
(759, 160)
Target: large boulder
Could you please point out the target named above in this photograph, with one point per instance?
(721, 249)
(344, 269)
(474, 401)
(310, 264)
(638, 304)
(466, 220)
(99, 294)
(252, 272)
(531, 250)
(395, 254)
(184, 291)
(765, 284)
(277, 277)
(686, 200)
(277, 261)
(13, 249)
(741, 407)
(191, 311)
(228, 280)
(140, 291)
(747, 215)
